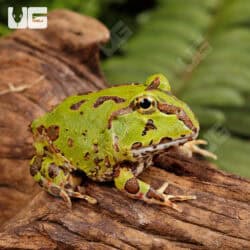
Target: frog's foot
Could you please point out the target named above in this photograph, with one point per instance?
(55, 190)
(79, 195)
(57, 180)
(65, 192)
(169, 198)
(137, 189)
(191, 147)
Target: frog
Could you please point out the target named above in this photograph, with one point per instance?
(113, 135)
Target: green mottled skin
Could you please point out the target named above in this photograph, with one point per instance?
(87, 129)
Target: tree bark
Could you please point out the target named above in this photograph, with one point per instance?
(44, 67)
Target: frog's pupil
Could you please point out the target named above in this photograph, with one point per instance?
(145, 103)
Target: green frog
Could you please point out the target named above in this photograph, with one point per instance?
(113, 135)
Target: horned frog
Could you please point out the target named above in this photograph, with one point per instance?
(113, 135)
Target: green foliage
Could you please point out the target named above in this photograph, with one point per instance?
(91, 8)
(4, 30)
(203, 47)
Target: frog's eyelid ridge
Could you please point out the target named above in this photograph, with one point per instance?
(154, 84)
(157, 81)
(180, 113)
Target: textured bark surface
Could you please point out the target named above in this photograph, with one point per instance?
(46, 66)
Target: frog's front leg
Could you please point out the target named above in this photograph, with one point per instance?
(126, 181)
(191, 147)
(57, 179)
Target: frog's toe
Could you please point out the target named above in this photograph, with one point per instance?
(66, 198)
(79, 195)
(162, 188)
(181, 197)
(168, 203)
(168, 200)
(191, 147)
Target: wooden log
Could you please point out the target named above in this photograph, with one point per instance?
(46, 66)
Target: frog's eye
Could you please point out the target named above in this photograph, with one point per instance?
(145, 104)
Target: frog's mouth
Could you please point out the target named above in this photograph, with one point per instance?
(163, 145)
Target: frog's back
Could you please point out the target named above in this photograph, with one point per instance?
(78, 127)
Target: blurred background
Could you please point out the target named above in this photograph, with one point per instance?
(203, 47)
